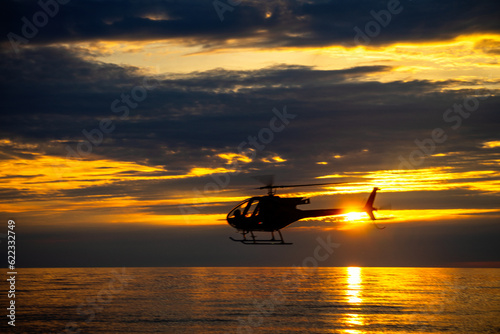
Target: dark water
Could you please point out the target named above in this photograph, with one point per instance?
(256, 300)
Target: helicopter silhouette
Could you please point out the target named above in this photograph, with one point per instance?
(271, 213)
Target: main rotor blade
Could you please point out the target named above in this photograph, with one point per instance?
(301, 185)
(268, 180)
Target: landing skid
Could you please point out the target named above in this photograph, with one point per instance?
(254, 241)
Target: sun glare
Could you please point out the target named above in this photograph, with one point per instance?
(355, 216)
(354, 288)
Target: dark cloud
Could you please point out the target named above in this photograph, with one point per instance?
(53, 94)
(268, 24)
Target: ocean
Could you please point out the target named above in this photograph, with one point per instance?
(256, 300)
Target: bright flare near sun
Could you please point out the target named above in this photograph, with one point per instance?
(355, 216)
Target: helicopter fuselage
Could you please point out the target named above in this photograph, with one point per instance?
(271, 213)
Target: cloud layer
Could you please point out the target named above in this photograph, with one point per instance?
(255, 23)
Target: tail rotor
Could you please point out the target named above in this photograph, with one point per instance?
(369, 207)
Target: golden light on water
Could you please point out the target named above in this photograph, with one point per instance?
(353, 294)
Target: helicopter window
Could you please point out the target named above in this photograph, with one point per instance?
(252, 209)
(240, 209)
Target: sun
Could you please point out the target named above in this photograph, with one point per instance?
(355, 216)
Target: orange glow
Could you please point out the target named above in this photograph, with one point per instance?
(45, 174)
(491, 144)
(355, 216)
(462, 58)
(44, 178)
(273, 159)
(353, 295)
(397, 216)
(232, 157)
(425, 179)
(352, 220)
(201, 172)
(171, 220)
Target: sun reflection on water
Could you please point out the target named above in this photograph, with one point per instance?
(353, 285)
(354, 299)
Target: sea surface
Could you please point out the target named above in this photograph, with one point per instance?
(256, 300)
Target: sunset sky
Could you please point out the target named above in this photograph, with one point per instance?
(130, 128)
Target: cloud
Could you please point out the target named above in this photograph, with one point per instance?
(171, 146)
(279, 23)
(55, 93)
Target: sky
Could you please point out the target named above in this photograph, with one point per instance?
(129, 129)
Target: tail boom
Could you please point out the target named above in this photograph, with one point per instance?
(368, 208)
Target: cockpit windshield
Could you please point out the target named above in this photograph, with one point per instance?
(252, 208)
(247, 208)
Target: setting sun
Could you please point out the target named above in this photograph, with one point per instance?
(355, 216)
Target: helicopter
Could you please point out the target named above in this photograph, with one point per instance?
(271, 213)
